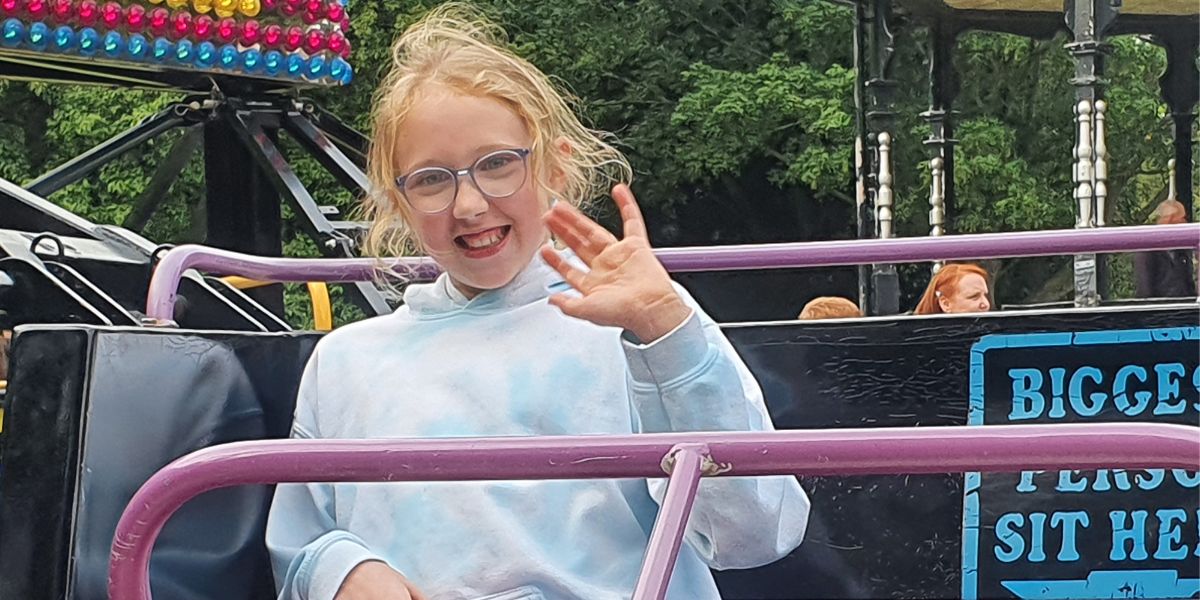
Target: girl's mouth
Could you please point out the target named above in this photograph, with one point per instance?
(485, 243)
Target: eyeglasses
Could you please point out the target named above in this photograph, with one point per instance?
(497, 174)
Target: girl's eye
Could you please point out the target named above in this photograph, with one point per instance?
(496, 161)
(429, 178)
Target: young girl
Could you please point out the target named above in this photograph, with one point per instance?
(479, 161)
(956, 288)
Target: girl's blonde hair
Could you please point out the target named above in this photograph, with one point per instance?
(457, 48)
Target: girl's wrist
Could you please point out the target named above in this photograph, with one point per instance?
(659, 317)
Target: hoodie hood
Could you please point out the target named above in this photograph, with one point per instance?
(536, 282)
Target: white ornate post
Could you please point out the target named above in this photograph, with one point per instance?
(937, 201)
(1101, 169)
(1171, 190)
(883, 201)
(1084, 165)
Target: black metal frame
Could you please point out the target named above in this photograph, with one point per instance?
(243, 204)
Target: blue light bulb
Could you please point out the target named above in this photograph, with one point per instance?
(185, 51)
(12, 33)
(206, 54)
(138, 46)
(39, 35)
(348, 76)
(272, 62)
(113, 44)
(163, 50)
(89, 41)
(64, 38)
(337, 68)
(228, 57)
(316, 67)
(252, 60)
(295, 65)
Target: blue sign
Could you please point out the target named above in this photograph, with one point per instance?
(1108, 533)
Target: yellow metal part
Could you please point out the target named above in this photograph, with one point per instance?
(322, 311)
(317, 290)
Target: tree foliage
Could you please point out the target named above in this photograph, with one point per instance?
(737, 116)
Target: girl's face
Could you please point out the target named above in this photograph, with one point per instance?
(970, 295)
(481, 242)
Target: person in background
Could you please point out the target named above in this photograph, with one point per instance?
(1165, 273)
(956, 288)
(829, 307)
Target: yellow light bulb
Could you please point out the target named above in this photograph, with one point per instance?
(224, 8)
(250, 8)
(177, 3)
(202, 6)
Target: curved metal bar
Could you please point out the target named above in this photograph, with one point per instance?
(897, 450)
(160, 300)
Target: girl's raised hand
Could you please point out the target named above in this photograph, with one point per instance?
(626, 286)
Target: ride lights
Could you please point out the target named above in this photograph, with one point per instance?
(301, 40)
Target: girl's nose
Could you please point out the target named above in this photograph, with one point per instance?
(470, 202)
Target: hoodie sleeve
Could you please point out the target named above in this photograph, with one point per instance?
(693, 380)
(310, 556)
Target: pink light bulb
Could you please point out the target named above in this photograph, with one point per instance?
(314, 41)
(293, 39)
(36, 8)
(227, 30)
(111, 14)
(251, 32)
(272, 35)
(336, 41)
(203, 26)
(88, 11)
(159, 18)
(135, 17)
(62, 10)
(181, 24)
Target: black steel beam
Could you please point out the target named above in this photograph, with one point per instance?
(80, 166)
(312, 139)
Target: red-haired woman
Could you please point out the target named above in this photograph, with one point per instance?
(957, 288)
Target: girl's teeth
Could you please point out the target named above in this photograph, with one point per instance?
(482, 241)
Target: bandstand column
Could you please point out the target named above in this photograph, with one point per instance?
(881, 125)
(863, 215)
(1088, 20)
(943, 88)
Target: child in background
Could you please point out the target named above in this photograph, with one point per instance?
(829, 307)
(477, 160)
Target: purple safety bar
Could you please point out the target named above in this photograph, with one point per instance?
(160, 301)
(810, 452)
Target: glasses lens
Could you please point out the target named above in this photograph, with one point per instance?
(430, 190)
(500, 174)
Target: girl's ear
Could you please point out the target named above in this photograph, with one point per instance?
(561, 149)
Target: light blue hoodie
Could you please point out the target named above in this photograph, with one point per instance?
(507, 363)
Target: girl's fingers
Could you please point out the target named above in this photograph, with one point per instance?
(569, 305)
(563, 217)
(586, 249)
(573, 276)
(631, 214)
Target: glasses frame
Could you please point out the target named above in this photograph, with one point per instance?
(468, 172)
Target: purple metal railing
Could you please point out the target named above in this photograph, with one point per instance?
(809, 452)
(160, 300)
